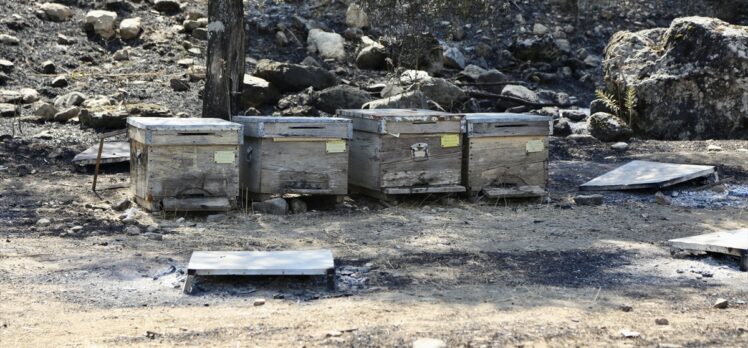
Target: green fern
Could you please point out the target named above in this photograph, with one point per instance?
(609, 100)
(630, 102)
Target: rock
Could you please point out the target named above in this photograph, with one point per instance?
(48, 67)
(166, 6)
(70, 99)
(630, 334)
(409, 77)
(662, 199)
(257, 92)
(454, 59)
(192, 24)
(520, 92)
(443, 92)
(607, 127)
(130, 28)
(419, 51)
(593, 61)
(179, 85)
(298, 206)
(56, 12)
(620, 146)
(116, 118)
(59, 82)
(372, 57)
(259, 302)
(121, 55)
(4, 78)
(43, 222)
(154, 236)
(281, 39)
(598, 105)
(721, 303)
(196, 72)
(102, 22)
(429, 343)
(45, 110)
(186, 63)
(537, 49)
(65, 40)
(6, 65)
(662, 321)
(275, 206)
(539, 29)
(561, 127)
(713, 148)
(215, 218)
(328, 45)
(132, 230)
(29, 95)
(589, 200)
(67, 114)
(10, 97)
(355, 17)
(695, 59)
(407, 100)
(294, 77)
(9, 110)
(574, 115)
(122, 205)
(353, 34)
(9, 40)
(97, 102)
(340, 97)
(200, 33)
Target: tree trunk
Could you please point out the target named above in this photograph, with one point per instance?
(225, 70)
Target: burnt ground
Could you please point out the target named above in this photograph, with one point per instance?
(493, 273)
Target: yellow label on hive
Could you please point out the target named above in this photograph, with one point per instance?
(535, 146)
(224, 157)
(450, 140)
(335, 146)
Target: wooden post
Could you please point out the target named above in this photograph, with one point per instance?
(225, 70)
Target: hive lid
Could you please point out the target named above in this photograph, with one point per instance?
(403, 121)
(507, 124)
(182, 124)
(279, 127)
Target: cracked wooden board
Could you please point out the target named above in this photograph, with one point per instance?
(645, 174)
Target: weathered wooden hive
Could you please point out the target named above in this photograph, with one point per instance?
(405, 151)
(294, 155)
(506, 155)
(184, 164)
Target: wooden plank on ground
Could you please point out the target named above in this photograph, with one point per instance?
(514, 192)
(113, 152)
(307, 262)
(645, 174)
(725, 242)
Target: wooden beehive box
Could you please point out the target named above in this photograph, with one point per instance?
(294, 155)
(184, 164)
(405, 151)
(506, 155)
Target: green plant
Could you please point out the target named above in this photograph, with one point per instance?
(622, 105)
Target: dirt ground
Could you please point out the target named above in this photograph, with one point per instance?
(526, 274)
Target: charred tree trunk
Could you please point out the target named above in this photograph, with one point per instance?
(225, 70)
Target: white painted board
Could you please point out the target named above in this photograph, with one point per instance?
(307, 262)
(645, 174)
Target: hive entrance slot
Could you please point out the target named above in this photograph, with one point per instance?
(307, 127)
(194, 134)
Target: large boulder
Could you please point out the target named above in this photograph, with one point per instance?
(130, 28)
(537, 49)
(690, 79)
(328, 45)
(608, 127)
(294, 77)
(355, 17)
(372, 57)
(257, 92)
(443, 92)
(341, 97)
